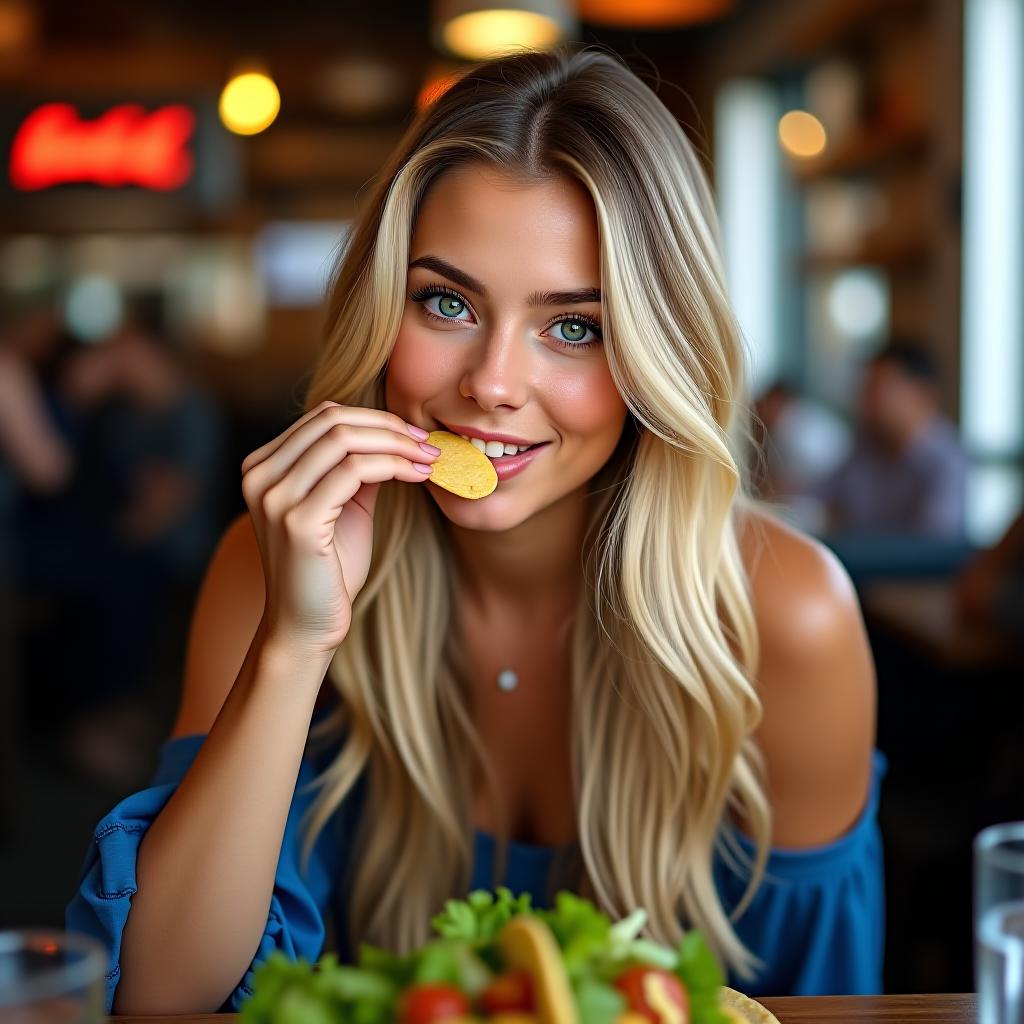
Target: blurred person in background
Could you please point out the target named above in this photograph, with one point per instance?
(35, 458)
(907, 472)
(138, 518)
(34, 453)
(157, 438)
(802, 443)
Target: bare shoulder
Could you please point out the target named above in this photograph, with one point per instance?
(226, 616)
(816, 680)
(798, 586)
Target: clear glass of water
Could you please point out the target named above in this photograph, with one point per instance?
(51, 977)
(999, 923)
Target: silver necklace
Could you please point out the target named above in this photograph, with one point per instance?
(507, 680)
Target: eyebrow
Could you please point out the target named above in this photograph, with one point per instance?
(573, 297)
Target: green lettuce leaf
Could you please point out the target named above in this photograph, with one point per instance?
(598, 1003)
(480, 917)
(698, 970)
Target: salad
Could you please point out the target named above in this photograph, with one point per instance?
(497, 959)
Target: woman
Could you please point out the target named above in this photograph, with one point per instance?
(693, 685)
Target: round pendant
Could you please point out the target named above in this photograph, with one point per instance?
(507, 680)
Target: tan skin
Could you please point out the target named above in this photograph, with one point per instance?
(517, 550)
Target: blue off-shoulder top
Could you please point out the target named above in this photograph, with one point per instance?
(816, 922)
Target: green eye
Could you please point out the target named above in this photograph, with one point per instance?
(573, 328)
(445, 300)
(581, 329)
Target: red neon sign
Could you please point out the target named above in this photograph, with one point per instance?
(126, 146)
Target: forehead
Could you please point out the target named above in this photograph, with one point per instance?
(506, 231)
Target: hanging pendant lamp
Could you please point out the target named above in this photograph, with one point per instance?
(477, 29)
(651, 14)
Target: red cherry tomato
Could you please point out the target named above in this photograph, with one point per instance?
(655, 994)
(512, 990)
(430, 1004)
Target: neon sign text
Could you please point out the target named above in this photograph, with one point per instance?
(125, 146)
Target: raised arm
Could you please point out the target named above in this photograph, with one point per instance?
(206, 866)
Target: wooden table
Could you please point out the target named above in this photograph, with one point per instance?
(927, 1009)
(923, 614)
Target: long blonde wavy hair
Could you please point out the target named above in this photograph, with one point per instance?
(664, 647)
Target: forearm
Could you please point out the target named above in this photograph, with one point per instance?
(32, 444)
(205, 869)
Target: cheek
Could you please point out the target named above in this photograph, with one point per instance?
(417, 369)
(588, 407)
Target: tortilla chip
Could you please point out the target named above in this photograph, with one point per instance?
(461, 467)
(745, 1010)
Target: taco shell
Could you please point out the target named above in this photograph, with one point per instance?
(745, 1010)
(528, 944)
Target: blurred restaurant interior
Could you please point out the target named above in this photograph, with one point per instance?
(179, 178)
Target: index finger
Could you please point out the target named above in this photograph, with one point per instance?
(360, 416)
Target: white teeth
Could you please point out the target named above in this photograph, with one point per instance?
(494, 449)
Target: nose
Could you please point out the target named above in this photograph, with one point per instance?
(498, 369)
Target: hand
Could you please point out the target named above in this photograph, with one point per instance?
(311, 493)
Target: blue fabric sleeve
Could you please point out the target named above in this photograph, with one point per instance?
(298, 906)
(818, 918)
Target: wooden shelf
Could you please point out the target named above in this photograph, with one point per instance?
(907, 256)
(864, 152)
(835, 24)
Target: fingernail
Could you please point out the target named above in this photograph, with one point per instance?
(418, 432)
(422, 468)
(430, 449)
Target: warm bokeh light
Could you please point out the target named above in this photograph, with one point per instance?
(18, 27)
(361, 85)
(650, 13)
(480, 34)
(802, 134)
(249, 103)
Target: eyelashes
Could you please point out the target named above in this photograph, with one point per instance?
(433, 290)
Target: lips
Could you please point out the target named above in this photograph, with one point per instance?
(461, 433)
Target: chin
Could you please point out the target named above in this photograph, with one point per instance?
(495, 514)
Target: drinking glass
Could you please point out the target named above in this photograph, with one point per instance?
(999, 923)
(51, 977)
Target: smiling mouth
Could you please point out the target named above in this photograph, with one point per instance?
(507, 455)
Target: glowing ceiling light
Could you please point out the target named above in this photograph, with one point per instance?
(249, 103)
(802, 134)
(650, 13)
(477, 30)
